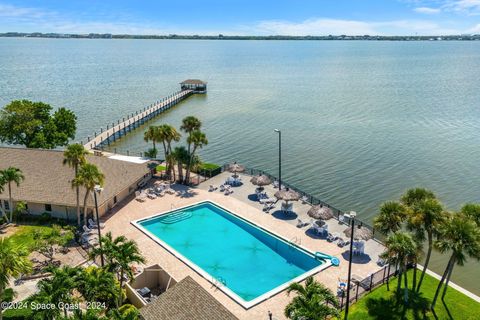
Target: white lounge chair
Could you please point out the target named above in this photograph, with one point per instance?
(268, 206)
(275, 184)
(212, 188)
(87, 230)
(169, 191)
(304, 199)
(222, 188)
(301, 224)
(92, 224)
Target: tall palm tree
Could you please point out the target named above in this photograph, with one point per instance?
(168, 134)
(74, 156)
(198, 139)
(426, 218)
(189, 125)
(12, 174)
(401, 248)
(13, 262)
(313, 301)
(151, 135)
(88, 177)
(390, 218)
(119, 254)
(180, 156)
(460, 236)
(2, 188)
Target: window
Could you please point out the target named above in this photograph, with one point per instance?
(6, 205)
(48, 207)
(114, 199)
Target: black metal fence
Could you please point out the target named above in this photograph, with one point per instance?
(359, 288)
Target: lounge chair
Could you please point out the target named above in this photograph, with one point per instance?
(268, 206)
(87, 230)
(341, 218)
(169, 191)
(381, 262)
(301, 224)
(275, 184)
(92, 224)
(332, 237)
(222, 188)
(342, 243)
(212, 188)
(266, 200)
(304, 199)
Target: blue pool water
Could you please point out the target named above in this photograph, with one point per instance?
(249, 260)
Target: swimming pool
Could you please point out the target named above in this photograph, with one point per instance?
(248, 262)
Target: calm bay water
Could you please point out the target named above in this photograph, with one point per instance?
(361, 121)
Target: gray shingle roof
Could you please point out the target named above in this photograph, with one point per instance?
(193, 81)
(187, 300)
(47, 180)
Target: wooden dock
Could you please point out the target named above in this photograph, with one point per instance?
(114, 131)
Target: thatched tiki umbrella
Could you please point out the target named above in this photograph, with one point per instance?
(287, 195)
(359, 233)
(261, 180)
(318, 212)
(235, 167)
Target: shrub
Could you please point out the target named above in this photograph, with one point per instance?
(18, 314)
(208, 169)
(151, 153)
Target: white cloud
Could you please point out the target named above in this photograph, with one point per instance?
(315, 27)
(427, 10)
(323, 26)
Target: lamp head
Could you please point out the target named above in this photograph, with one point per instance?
(353, 214)
(98, 188)
(276, 130)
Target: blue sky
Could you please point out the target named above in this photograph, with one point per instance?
(246, 17)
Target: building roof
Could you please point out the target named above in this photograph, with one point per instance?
(47, 180)
(186, 300)
(193, 81)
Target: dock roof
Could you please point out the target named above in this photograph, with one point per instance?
(193, 82)
(47, 180)
(186, 300)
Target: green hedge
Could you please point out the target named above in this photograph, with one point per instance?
(209, 169)
(18, 314)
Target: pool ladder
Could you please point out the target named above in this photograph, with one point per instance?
(295, 241)
(219, 281)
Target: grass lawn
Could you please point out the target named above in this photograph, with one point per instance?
(209, 166)
(24, 234)
(160, 168)
(381, 304)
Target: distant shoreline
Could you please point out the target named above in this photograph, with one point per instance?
(474, 37)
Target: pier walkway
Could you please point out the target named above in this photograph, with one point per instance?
(124, 126)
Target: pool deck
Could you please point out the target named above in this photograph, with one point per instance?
(240, 202)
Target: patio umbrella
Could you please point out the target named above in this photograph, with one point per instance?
(359, 233)
(261, 180)
(318, 212)
(287, 195)
(235, 167)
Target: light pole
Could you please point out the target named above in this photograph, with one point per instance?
(279, 158)
(352, 223)
(96, 190)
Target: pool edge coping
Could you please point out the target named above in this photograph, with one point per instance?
(230, 293)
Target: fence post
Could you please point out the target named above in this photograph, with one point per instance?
(356, 295)
(371, 282)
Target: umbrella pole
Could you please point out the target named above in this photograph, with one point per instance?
(349, 269)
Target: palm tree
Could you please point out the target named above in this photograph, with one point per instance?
(88, 176)
(119, 254)
(12, 174)
(460, 236)
(472, 211)
(414, 196)
(2, 188)
(99, 285)
(151, 135)
(59, 288)
(426, 218)
(313, 301)
(401, 248)
(74, 156)
(389, 220)
(189, 125)
(180, 156)
(169, 134)
(125, 312)
(198, 139)
(13, 262)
